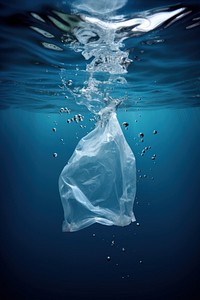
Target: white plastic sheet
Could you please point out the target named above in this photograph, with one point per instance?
(98, 184)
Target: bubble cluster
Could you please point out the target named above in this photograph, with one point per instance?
(65, 110)
(76, 118)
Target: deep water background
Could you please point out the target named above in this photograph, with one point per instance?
(156, 258)
(38, 261)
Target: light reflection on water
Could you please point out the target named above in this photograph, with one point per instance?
(143, 48)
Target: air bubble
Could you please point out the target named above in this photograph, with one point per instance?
(67, 110)
(141, 135)
(108, 258)
(112, 243)
(125, 124)
(54, 129)
(70, 82)
(55, 154)
(155, 132)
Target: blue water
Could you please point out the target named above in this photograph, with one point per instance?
(157, 257)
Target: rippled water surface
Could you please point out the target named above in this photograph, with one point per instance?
(148, 54)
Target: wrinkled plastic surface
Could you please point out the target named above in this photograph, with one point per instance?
(98, 184)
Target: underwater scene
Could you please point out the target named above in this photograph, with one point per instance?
(99, 149)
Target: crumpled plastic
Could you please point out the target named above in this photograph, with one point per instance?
(98, 184)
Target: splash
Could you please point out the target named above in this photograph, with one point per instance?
(100, 39)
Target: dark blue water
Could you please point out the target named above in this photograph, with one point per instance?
(155, 259)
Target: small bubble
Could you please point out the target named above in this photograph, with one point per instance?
(123, 249)
(61, 110)
(108, 258)
(93, 234)
(141, 135)
(62, 140)
(146, 148)
(67, 110)
(54, 129)
(55, 154)
(70, 82)
(155, 132)
(112, 243)
(153, 158)
(154, 155)
(125, 124)
(68, 121)
(138, 224)
(145, 176)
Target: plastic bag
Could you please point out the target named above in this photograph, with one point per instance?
(98, 184)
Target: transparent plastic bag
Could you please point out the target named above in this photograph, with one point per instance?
(98, 184)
